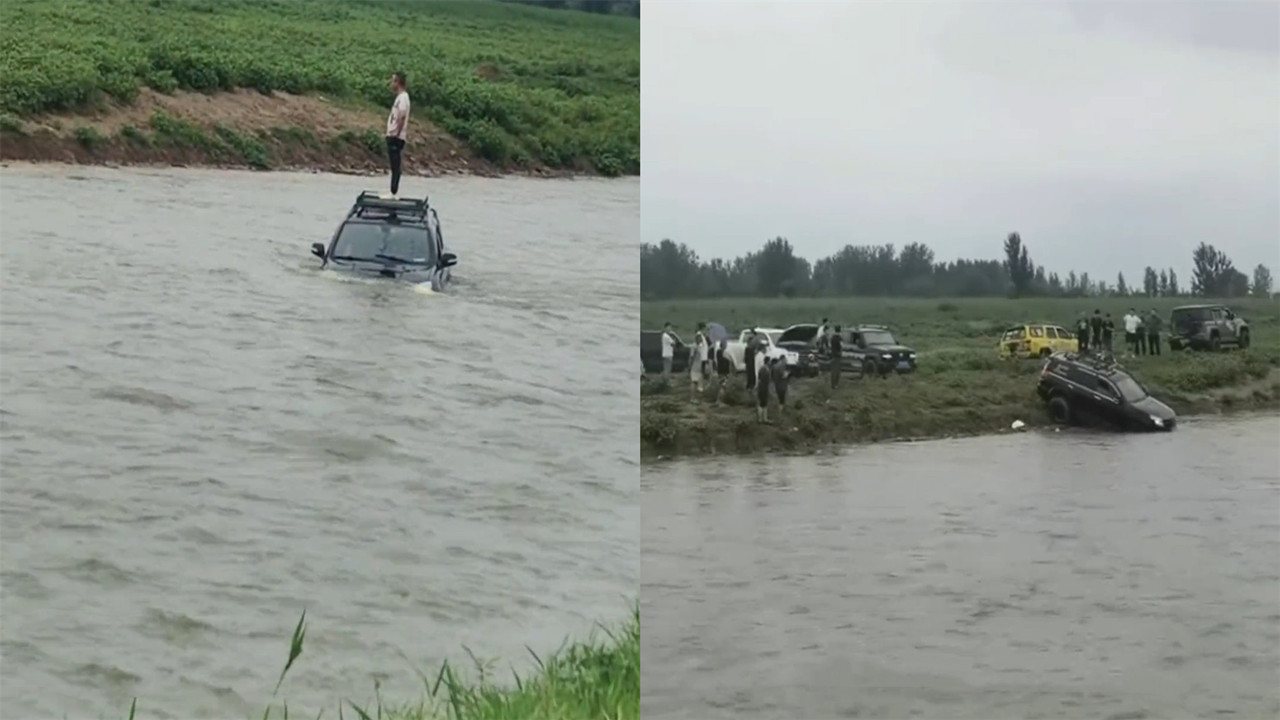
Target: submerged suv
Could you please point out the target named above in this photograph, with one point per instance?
(385, 238)
(1206, 327)
(1093, 390)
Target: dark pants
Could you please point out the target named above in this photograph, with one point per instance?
(748, 360)
(835, 370)
(1082, 342)
(1131, 339)
(1106, 341)
(395, 148)
(1096, 340)
(1153, 343)
(1142, 343)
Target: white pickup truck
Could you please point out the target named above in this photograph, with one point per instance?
(735, 349)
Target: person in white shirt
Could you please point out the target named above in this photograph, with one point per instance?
(1131, 323)
(668, 351)
(397, 127)
(697, 364)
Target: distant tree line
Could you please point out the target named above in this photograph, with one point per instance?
(600, 7)
(671, 270)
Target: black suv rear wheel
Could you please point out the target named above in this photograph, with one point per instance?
(1244, 339)
(1059, 410)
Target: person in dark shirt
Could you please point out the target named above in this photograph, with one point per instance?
(1153, 326)
(1082, 333)
(837, 351)
(762, 391)
(748, 359)
(780, 383)
(1095, 325)
(1108, 333)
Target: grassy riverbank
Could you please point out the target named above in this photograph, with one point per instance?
(593, 679)
(962, 388)
(496, 87)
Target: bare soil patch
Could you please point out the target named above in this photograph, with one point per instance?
(59, 137)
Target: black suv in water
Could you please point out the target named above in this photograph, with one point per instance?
(651, 352)
(385, 238)
(1095, 390)
(1206, 327)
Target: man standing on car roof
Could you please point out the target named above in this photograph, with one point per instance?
(1153, 326)
(1082, 333)
(397, 128)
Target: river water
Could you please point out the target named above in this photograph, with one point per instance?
(1021, 576)
(203, 435)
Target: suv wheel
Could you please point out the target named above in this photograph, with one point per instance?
(1045, 352)
(1059, 410)
(1244, 339)
(1215, 342)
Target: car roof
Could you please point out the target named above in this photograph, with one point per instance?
(1197, 307)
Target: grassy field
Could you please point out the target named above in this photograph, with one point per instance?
(594, 679)
(961, 388)
(521, 86)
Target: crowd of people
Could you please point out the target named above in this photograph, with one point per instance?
(709, 363)
(1142, 332)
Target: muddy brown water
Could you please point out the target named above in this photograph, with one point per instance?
(1037, 575)
(202, 436)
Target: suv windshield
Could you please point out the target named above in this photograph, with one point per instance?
(366, 241)
(878, 337)
(1129, 388)
(1015, 333)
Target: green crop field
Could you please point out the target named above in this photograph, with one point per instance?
(520, 85)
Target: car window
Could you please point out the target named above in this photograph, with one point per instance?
(1064, 333)
(1190, 314)
(367, 241)
(1015, 333)
(1106, 388)
(879, 337)
(1036, 331)
(1130, 389)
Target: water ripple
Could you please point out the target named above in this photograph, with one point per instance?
(203, 435)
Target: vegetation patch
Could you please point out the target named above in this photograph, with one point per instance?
(961, 387)
(559, 89)
(593, 679)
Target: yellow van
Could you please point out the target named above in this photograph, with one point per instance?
(1028, 341)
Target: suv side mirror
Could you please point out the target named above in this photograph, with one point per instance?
(447, 260)
(317, 249)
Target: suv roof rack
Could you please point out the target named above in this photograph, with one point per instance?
(1101, 361)
(372, 204)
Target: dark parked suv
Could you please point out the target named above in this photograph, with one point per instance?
(1206, 327)
(651, 352)
(1092, 390)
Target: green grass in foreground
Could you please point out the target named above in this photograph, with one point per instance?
(961, 388)
(521, 85)
(595, 679)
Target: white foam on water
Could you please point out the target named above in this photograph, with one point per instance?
(424, 288)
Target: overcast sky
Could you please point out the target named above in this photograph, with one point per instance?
(1110, 135)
